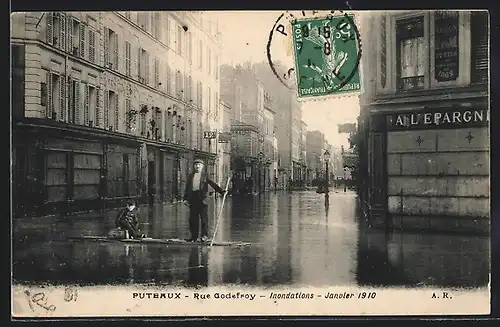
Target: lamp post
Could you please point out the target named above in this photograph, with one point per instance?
(327, 160)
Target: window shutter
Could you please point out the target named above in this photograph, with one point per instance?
(62, 98)
(116, 57)
(106, 46)
(127, 58)
(117, 113)
(77, 102)
(70, 95)
(146, 59)
(480, 53)
(98, 107)
(50, 28)
(91, 46)
(168, 80)
(70, 23)
(86, 100)
(158, 26)
(62, 30)
(106, 109)
(139, 63)
(82, 40)
(128, 121)
(50, 104)
(155, 68)
(167, 34)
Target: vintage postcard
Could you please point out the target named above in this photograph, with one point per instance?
(270, 163)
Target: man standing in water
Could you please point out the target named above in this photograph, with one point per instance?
(195, 196)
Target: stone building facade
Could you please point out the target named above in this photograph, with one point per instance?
(111, 106)
(424, 123)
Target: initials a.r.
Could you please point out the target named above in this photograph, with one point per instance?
(444, 296)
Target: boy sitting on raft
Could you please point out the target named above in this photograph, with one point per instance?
(127, 220)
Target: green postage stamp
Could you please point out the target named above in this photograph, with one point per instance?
(327, 55)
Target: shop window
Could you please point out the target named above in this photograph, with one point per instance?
(410, 53)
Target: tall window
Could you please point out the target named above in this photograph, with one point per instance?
(479, 47)
(200, 54)
(179, 40)
(55, 96)
(216, 67)
(209, 93)
(128, 66)
(216, 104)
(111, 111)
(209, 61)
(92, 54)
(143, 66)
(178, 84)
(411, 53)
(90, 105)
(143, 20)
(128, 108)
(168, 31)
(142, 122)
(155, 22)
(76, 38)
(111, 49)
(74, 101)
(156, 69)
(190, 47)
(169, 80)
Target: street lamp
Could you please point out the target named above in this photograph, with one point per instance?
(327, 160)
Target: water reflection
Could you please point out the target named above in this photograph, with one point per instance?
(300, 238)
(197, 267)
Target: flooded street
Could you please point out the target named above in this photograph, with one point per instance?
(298, 239)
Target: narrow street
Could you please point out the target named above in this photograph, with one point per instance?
(297, 239)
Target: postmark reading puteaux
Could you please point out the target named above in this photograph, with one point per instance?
(327, 54)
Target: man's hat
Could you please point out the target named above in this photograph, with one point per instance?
(198, 161)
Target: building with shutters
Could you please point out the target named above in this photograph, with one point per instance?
(109, 106)
(424, 124)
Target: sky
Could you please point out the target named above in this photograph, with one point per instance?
(244, 37)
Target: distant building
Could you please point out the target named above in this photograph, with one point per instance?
(424, 123)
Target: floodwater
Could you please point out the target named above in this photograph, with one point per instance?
(298, 239)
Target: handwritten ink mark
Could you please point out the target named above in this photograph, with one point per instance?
(39, 299)
(70, 294)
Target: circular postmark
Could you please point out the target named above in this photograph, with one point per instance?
(326, 52)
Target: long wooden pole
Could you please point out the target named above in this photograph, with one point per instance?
(221, 208)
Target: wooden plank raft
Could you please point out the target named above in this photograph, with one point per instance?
(147, 240)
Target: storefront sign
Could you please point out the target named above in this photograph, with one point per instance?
(463, 117)
(209, 134)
